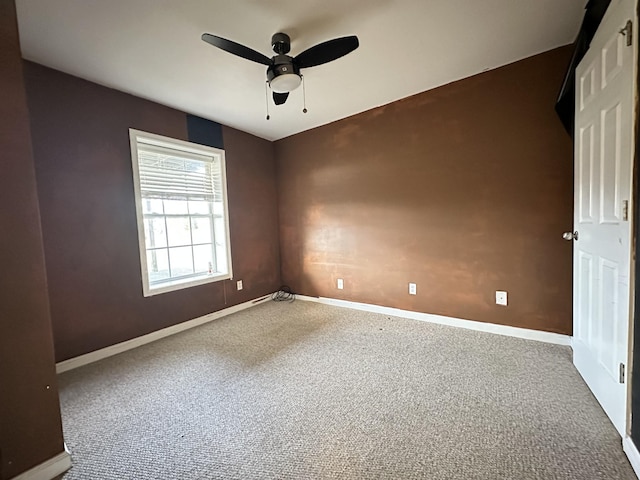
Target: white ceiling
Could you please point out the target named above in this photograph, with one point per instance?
(152, 49)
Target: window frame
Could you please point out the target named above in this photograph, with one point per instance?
(149, 289)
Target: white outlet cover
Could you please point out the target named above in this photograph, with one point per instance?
(239, 284)
(413, 289)
(340, 284)
(501, 298)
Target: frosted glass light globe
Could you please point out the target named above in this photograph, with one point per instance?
(285, 83)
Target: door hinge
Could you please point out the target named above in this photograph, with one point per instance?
(625, 210)
(627, 31)
(621, 373)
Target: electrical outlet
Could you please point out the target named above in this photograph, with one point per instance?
(413, 289)
(501, 298)
(239, 284)
(340, 284)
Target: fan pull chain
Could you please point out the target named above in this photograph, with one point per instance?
(266, 99)
(304, 96)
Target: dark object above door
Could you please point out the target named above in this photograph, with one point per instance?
(565, 104)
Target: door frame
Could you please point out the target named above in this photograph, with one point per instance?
(634, 278)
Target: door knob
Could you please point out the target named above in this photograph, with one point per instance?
(570, 235)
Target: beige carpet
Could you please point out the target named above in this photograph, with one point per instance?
(308, 391)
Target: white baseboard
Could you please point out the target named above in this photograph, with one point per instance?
(425, 317)
(151, 337)
(525, 333)
(49, 468)
(632, 454)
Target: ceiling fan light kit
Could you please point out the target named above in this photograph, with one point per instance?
(285, 82)
(283, 71)
(283, 77)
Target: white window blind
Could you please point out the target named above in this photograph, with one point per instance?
(178, 175)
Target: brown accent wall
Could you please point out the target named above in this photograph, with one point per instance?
(465, 190)
(253, 210)
(83, 166)
(30, 427)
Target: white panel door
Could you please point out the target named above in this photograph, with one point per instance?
(603, 173)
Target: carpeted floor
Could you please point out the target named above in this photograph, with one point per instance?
(309, 391)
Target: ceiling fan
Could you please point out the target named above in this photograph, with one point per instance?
(283, 71)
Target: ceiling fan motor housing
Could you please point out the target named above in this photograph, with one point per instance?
(283, 75)
(281, 43)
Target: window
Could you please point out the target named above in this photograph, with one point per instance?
(181, 205)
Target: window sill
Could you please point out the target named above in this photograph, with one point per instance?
(174, 285)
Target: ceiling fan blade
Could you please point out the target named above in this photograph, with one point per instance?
(236, 49)
(280, 98)
(327, 51)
